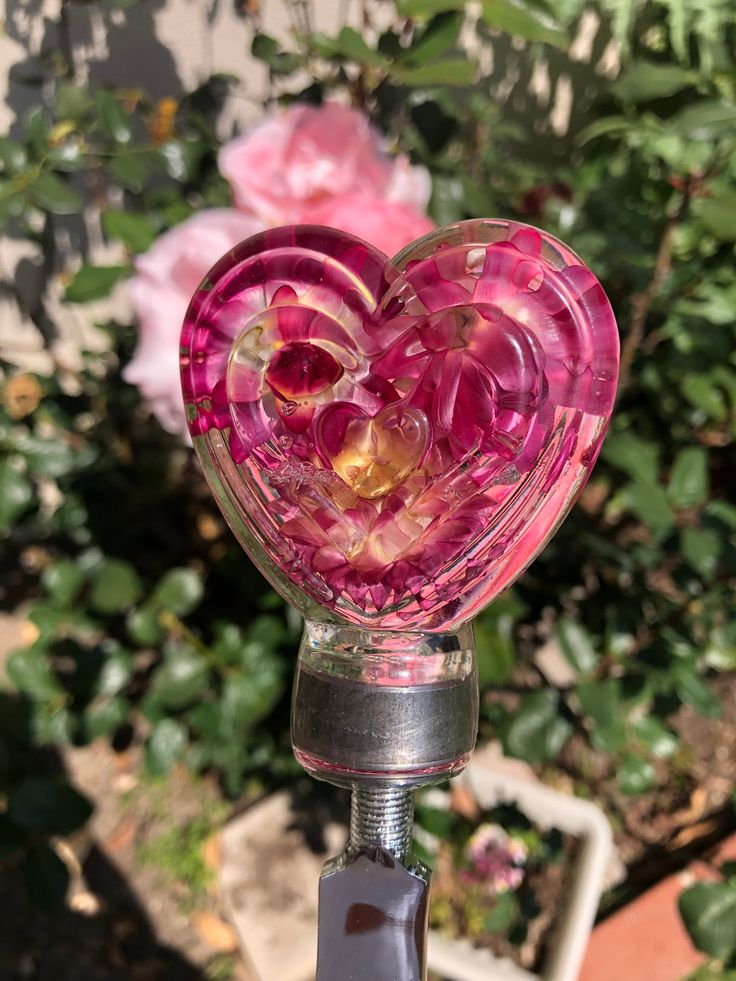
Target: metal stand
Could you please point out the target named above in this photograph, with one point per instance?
(381, 713)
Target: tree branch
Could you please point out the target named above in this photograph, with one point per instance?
(642, 302)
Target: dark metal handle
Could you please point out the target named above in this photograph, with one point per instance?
(372, 919)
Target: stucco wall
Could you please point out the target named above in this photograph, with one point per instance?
(166, 46)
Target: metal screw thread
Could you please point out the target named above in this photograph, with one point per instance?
(382, 816)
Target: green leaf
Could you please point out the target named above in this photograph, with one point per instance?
(448, 195)
(537, 731)
(94, 282)
(603, 127)
(701, 547)
(31, 673)
(635, 776)
(115, 673)
(601, 703)
(72, 101)
(688, 484)
(37, 126)
(67, 157)
(503, 913)
(494, 639)
(646, 80)
(49, 618)
(229, 644)
(206, 720)
(165, 746)
(53, 194)
(649, 502)
(12, 202)
(720, 650)
(708, 910)
(436, 821)
(247, 700)
(637, 457)
(63, 581)
(444, 71)
(519, 21)
(16, 493)
(704, 120)
(268, 50)
(46, 878)
(655, 736)
(495, 655)
(180, 591)
(12, 156)
(53, 726)
(182, 158)
(112, 119)
(105, 718)
(132, 169)
(48, 805)
(49, 457)
(577, 646)
(348, 44)
(718, 214)
(722, 511)
(115, 586)
(426, 8)
(181, 678)
(133, 230)
(693, 691)
(439, 35)
(143, 626)
(701, 391)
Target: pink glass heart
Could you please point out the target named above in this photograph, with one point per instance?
(397, 439)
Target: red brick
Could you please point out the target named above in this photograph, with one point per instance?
(646, 940)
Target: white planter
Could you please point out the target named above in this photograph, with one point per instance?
(458, 960)
(269, 878)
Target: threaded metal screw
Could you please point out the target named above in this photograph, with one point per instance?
(382, 816)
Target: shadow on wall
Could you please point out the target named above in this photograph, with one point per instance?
(103, 41)
(99, 41)
(549, 98)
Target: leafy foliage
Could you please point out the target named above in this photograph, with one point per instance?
(108, 529)
(708, 910)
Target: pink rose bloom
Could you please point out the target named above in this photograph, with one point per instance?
(166, 277)
(287, 167)
(386, 224)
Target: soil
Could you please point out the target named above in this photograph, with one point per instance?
(689, 810)
(541, 897)
(128, 917)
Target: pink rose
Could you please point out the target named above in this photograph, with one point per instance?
(295, 161)
(323, 165)
(166, 277)
(386, 224)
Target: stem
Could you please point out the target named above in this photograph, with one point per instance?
(642, 302)
(382, 816)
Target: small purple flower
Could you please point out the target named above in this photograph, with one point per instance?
(496, 858)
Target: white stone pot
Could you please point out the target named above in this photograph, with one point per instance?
(268, 880)
(458, 960)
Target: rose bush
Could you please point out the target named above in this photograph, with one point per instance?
(316, 165)
(304, 157)
(165, 278)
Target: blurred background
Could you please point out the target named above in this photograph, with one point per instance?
(144, 663)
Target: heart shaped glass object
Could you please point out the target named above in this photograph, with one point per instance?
(393, 441)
